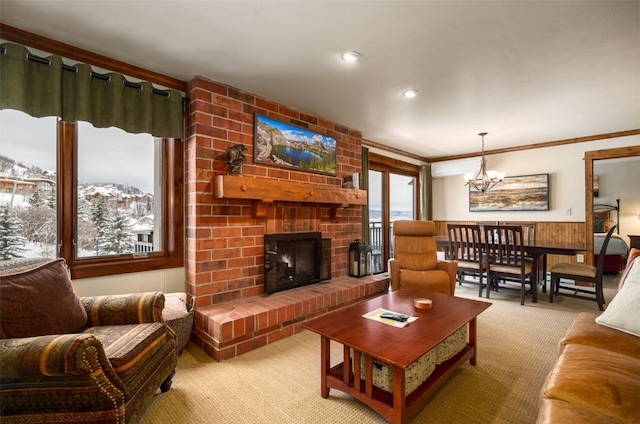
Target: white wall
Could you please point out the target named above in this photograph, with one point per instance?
(167, 281)
(565, 166)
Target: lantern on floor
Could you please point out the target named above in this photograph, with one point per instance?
(359, 259)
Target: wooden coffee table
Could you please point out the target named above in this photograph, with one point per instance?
(396, 347)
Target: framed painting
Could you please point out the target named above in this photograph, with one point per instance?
(523, 193)
(281, 144)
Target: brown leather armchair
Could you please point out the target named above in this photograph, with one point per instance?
(415, 264)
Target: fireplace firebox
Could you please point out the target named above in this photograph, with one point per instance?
(292, 260)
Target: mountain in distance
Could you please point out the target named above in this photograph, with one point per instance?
(376, 215)
(13, 169)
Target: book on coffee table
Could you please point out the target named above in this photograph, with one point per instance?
(376, 315)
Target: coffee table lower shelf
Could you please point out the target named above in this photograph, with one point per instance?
(396, 408)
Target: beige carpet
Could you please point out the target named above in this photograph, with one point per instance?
(280, 383)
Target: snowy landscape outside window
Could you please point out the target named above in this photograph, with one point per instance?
(119, 195)
(28, 186)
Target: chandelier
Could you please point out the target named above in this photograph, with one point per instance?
(483, 180)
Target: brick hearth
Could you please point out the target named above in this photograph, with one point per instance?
(230, 329)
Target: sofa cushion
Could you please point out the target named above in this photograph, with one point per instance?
(131, 349)
(622, 313)
(38, 299)
(597, 380)
(586, 331)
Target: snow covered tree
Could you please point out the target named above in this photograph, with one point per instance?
(36, 200)
(85, 228)
(117, 237)
(38, 224)
(11, 241)
(100, 215)
(51, 200)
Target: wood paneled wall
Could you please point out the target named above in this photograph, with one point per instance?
(562, 232)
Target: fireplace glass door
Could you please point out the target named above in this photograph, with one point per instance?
(292, 260)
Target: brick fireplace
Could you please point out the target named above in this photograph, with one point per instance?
(225, 233)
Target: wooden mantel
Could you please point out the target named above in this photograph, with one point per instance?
(264, 191)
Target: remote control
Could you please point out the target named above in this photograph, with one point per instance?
(394, 316)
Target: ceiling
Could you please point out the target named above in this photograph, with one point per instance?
(526, 72)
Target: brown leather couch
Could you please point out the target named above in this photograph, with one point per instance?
(415, 264)
(596, 379)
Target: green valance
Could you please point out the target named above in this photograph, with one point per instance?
(46, 87)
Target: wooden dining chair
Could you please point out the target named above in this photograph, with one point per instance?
(528, 230)
(465, 247)
(581, 273)
(529, 235)
(504, 249)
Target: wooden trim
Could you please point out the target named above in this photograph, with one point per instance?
(589, 157)
(49, 45)
(173, 149)
(66, 189)
(396, 166)
(369, 143)
(537, 145)
(620, 152)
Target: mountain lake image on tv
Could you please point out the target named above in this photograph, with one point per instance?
(280, 144)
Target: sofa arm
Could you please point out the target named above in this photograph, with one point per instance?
(58, 373)
(451, 268)
(136, 308)
(32, 358)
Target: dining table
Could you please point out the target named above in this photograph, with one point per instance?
(537, 251)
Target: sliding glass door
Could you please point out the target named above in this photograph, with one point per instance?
(393, 195)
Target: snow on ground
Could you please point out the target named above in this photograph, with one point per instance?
(13, 199)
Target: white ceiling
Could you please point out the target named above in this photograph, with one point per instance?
(524, 71)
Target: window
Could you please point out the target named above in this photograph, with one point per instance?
(118, 192)
(107, 201)
(62, 157)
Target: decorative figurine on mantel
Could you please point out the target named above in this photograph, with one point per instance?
(235, 158)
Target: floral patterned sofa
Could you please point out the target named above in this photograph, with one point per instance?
(70, 359)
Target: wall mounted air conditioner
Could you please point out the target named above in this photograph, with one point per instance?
(455, 167)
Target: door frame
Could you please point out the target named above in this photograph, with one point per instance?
(589, 158)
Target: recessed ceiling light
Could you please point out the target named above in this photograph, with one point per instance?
(410, 94)
(351, 56)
